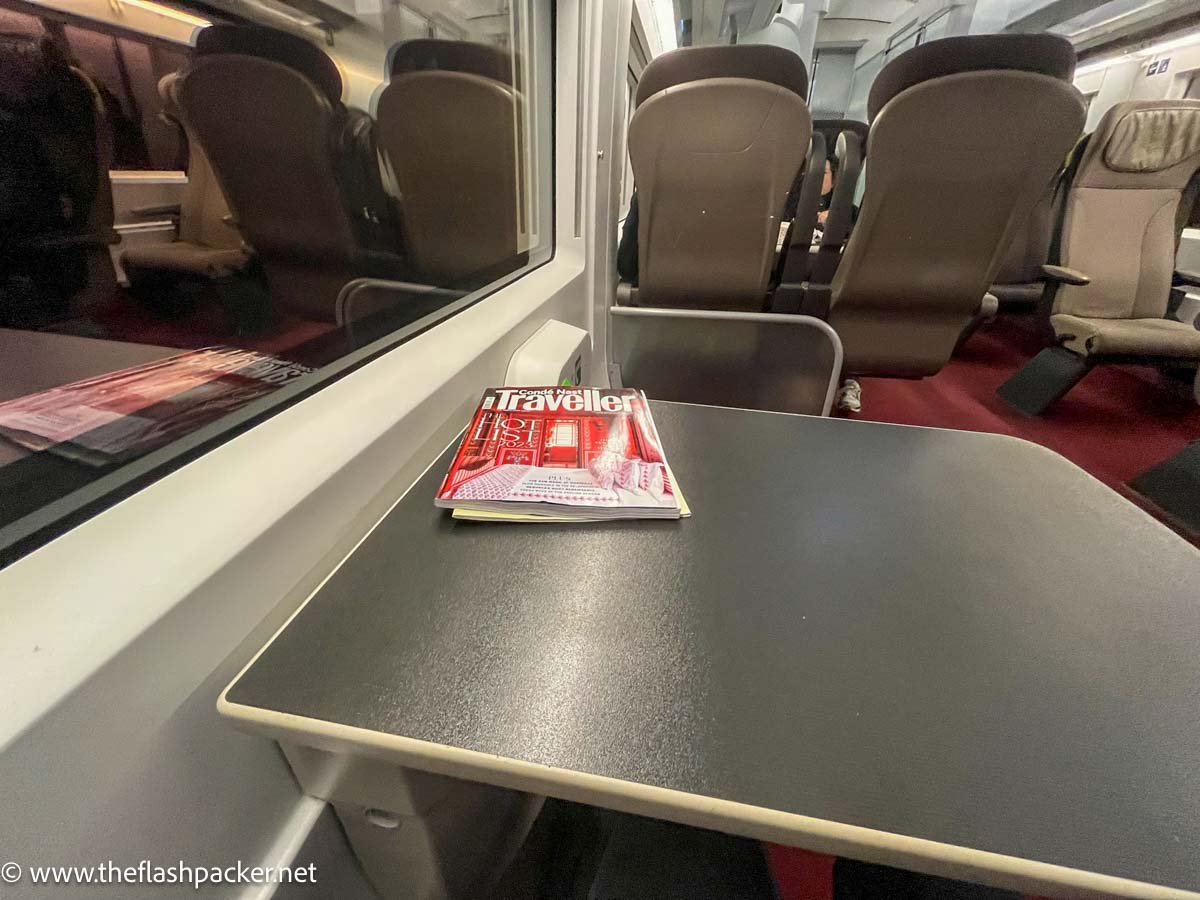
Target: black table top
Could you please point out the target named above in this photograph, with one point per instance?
(954, 637)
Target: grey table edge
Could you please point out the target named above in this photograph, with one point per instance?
(758, 822)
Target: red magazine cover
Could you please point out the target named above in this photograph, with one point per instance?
(562, 450)
(119, 414)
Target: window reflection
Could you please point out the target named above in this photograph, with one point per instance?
(226, 174)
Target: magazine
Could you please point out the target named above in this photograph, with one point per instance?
(561, 454)
(111, 417)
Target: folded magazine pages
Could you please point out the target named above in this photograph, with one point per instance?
(561, 454)
(118, 415)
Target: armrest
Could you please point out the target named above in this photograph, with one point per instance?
(146, 212)
(1183, 276)
(1064, 275)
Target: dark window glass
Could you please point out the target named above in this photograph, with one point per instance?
(191, 200)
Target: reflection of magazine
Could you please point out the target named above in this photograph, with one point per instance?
(120, 414)
(584, 453)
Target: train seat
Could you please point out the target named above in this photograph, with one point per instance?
(209, 245)
(447, 124)
(796, 255)
(803, 245)
(300, 169)
(1125, 212)
(717, 141)
(848, 163)
(966, 133)
(1021, 281)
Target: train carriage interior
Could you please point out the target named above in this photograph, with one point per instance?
(353, 216)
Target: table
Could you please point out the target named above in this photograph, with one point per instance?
(32, 361)
(947, 651)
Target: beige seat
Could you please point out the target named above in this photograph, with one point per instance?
(448, 123)
(1131, 196)
(299, 167)
(716, 143)
(209, 245)
(966, 134)
(1121, 228)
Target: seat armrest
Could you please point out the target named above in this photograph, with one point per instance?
(147, 212)
(1183, 276)
(1064, 275)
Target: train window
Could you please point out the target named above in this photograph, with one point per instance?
(904, 41)
(937, 27)
(124, 70)
(864, 77)
(342, 180)
(832, 73)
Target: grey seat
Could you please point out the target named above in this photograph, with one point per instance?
(1121, 228)
(966, 133)
(299, 168)
(1124, 214)
(209, 246)
(717, 140)
(448, 123)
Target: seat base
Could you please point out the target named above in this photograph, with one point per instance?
(1044, 380)
(1127, 337)
(183, 258)
(1174, 486)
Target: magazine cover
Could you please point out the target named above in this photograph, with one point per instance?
(124, 413)
(590, 452)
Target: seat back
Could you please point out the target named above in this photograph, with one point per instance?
(203, 210)
(800, 258)
(266, 107)
(452, 138)
(966, 134)
(783, 363)
(848, 154)
(797, 261)
(833, 128)
(1124, 214)
(716, 144)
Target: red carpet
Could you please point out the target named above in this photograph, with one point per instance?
(1116, 423)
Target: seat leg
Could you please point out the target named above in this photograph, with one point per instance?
(1044, 380)
(1174, 486)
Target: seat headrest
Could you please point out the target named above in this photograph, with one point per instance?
(277, 46)
(1043, 54)
(832, 129)
(450, 56)
(760, 62)
(1149, 136)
